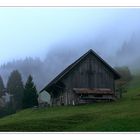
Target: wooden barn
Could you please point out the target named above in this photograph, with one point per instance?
(86, 80)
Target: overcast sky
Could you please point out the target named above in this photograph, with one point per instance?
(33, 31)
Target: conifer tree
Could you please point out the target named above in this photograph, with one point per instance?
(15, 88)
(30, 94)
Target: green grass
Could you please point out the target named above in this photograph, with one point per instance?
(122, 115)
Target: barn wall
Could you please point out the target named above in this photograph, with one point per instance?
(69, 97)
(90, 73)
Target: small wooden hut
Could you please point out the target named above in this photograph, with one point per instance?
(86, 80)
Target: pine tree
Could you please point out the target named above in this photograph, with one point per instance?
(1, 86)
(30, 94)
(15, 87)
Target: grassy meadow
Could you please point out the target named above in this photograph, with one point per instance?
(122, 115)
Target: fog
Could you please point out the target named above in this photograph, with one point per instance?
(44, 41)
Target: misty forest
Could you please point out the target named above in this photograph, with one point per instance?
(40, 88)
(56, 60)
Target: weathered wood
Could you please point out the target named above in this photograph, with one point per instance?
(87, 75)
(89, 72)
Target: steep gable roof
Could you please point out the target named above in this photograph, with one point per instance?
(70, 67)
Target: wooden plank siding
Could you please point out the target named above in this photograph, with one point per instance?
(90, 74)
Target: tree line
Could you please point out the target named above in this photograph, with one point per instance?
(21, 96)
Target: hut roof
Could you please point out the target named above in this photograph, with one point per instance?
(70, 67)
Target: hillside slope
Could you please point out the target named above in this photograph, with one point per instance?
(122, 115)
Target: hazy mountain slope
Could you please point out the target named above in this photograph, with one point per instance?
(42, 70)
(45, 70)
(128, 54)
